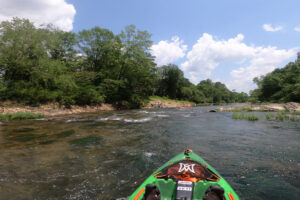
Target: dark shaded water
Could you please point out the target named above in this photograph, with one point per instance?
(106, 156)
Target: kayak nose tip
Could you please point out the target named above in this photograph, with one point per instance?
(187, 152)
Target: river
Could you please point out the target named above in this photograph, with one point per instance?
(107, 155)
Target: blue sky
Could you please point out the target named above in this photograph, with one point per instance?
(189, 19)
(231, 41)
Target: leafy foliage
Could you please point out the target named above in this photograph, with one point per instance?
(39, 65)
(173, 84)
(281, 85)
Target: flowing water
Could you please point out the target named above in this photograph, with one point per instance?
(107, 155)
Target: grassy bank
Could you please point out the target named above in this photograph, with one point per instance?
(249, 117)
(20, 115)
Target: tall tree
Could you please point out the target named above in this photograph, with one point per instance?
(30, 71)
(171, 81)
(137, 73)
(102, 50)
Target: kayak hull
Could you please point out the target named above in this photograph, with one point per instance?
(167, 187)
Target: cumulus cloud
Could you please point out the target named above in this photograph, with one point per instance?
(270, 28)
(167, 52)
(208, 53)
(57, 12)
(297, 28)
(265, 61)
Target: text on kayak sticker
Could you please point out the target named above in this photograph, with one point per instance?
(186, 167)
(185, 188)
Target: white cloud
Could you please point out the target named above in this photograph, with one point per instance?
(57, 12)
(166, 52)
(297, 28)
(208, 53)
(264, 61)
(270, 28)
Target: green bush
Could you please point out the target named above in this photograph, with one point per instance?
(20, 115)
(244, 116)
(281, 116)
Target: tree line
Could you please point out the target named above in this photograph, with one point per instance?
(43, 64)
(281, 85)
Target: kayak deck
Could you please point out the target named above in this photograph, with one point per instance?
(186, 163)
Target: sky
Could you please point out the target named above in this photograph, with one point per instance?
(230, 41)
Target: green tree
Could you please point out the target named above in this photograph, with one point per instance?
(171, 82)
(102, 51)
(137, 73)
(30, 72)
(281, 85)
(219, 93)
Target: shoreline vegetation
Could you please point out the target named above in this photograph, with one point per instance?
(51, 72)
(249, 117)
(44, 65)
(284, 111)
(11, 110)
(20, 116)
(278, 112)
(265, 107)
(278, 116)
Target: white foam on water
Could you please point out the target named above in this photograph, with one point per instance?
(149, 154)
(102, 119)
(76, 120)
(127, 120)
(151, 112)
(42, 119)
(138, 120)
(143, 111)
(162, 116)
(116, 118)
(111, 118)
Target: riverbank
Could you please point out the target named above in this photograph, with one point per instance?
(272, 107)
(54, 109)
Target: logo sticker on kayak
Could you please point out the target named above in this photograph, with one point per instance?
(186, 167)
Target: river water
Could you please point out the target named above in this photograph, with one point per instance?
(107, 155)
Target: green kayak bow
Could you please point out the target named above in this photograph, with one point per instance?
(185, 177)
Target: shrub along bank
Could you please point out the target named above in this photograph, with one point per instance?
(45, 65)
